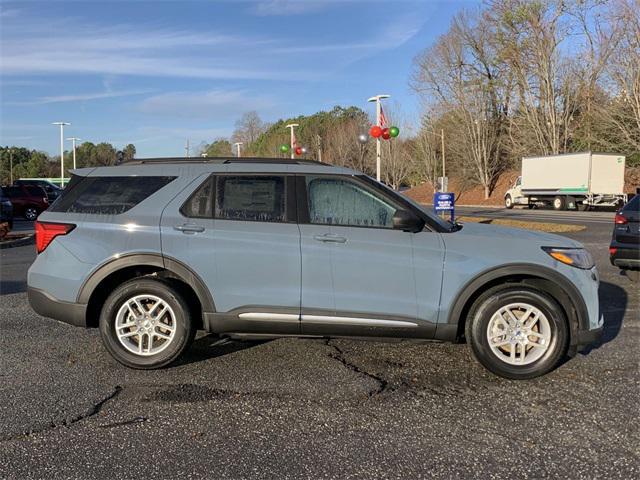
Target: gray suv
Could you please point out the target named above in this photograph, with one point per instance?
(151, 251)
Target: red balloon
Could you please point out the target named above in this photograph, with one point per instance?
(375, 131)
(298, 150)
(386, 134)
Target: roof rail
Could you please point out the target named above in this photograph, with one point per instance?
(221, 160)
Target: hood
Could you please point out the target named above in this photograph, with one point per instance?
(494, 232)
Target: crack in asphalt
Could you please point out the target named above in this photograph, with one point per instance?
(131, 421)
(339, 356)
(95, 409)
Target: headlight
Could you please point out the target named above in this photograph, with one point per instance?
(576, 257)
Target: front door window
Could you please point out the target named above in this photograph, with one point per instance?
(340, 202)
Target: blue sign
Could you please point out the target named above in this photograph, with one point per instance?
(444, 202)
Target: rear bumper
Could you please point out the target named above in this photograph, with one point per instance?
(626, 263)
(625, 256)
(47, 306)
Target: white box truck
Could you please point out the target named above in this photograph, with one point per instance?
(570, 181)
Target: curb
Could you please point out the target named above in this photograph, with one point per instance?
(19, 242)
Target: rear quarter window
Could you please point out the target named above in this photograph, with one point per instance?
(633, 205)
(35, 191)
(107, 195)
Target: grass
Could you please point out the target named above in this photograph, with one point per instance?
(541, 226)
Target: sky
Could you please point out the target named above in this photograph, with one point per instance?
(158, 73)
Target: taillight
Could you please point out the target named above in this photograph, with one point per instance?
(46, 232)
(612, 250)
(620, 219)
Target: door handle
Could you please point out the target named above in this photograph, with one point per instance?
(189, 228)
(329, 237)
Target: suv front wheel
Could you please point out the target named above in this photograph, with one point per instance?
(145, 323)
(517, 332)
(30, 213)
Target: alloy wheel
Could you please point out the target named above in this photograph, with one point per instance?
(519, 334)
(145, 325)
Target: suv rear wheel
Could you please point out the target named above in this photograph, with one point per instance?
(517, 332)
(145, 323)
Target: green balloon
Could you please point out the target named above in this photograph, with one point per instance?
(284, 148)
(394, 131)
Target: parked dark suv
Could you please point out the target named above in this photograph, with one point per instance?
(27, 201)
(53, 191)
(6, 210)
(624, 250)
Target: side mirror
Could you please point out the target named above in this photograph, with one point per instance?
(407, 221)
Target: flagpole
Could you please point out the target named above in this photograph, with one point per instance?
(377, 99)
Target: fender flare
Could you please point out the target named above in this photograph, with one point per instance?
(177, 268)
(578, 318)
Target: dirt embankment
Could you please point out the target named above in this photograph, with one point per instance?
(474, 194)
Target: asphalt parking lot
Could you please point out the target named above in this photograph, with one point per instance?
(313, 408)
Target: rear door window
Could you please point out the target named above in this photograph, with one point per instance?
(107, 195)
(13, 192)
(259, 198)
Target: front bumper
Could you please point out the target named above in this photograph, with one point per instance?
(48, 306)
(585, 338)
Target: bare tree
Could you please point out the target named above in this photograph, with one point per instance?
(341, 146)
(461, 75)
(248, 129)
(398, 162)
(622, 112)
(600, 34)
(530, 36)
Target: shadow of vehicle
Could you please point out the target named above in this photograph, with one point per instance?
(10, 286)
(613, 305)
(204, 348)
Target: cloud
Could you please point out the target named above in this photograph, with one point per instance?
(9, 12)
(32, 46)
(213, 104)
(80, 97)
(74, 46)
(288, 7)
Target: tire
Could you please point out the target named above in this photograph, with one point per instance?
(532, 206)
(508, 202)
(130, 350)
(551, 329)
(30, 213)
(559, 203)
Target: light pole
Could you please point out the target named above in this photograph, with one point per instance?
(11, 166)
(238, 145)
(319, 143)
(441, 135)
(73, 140)
(61, 124)
(293, 138)
(377, 99)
